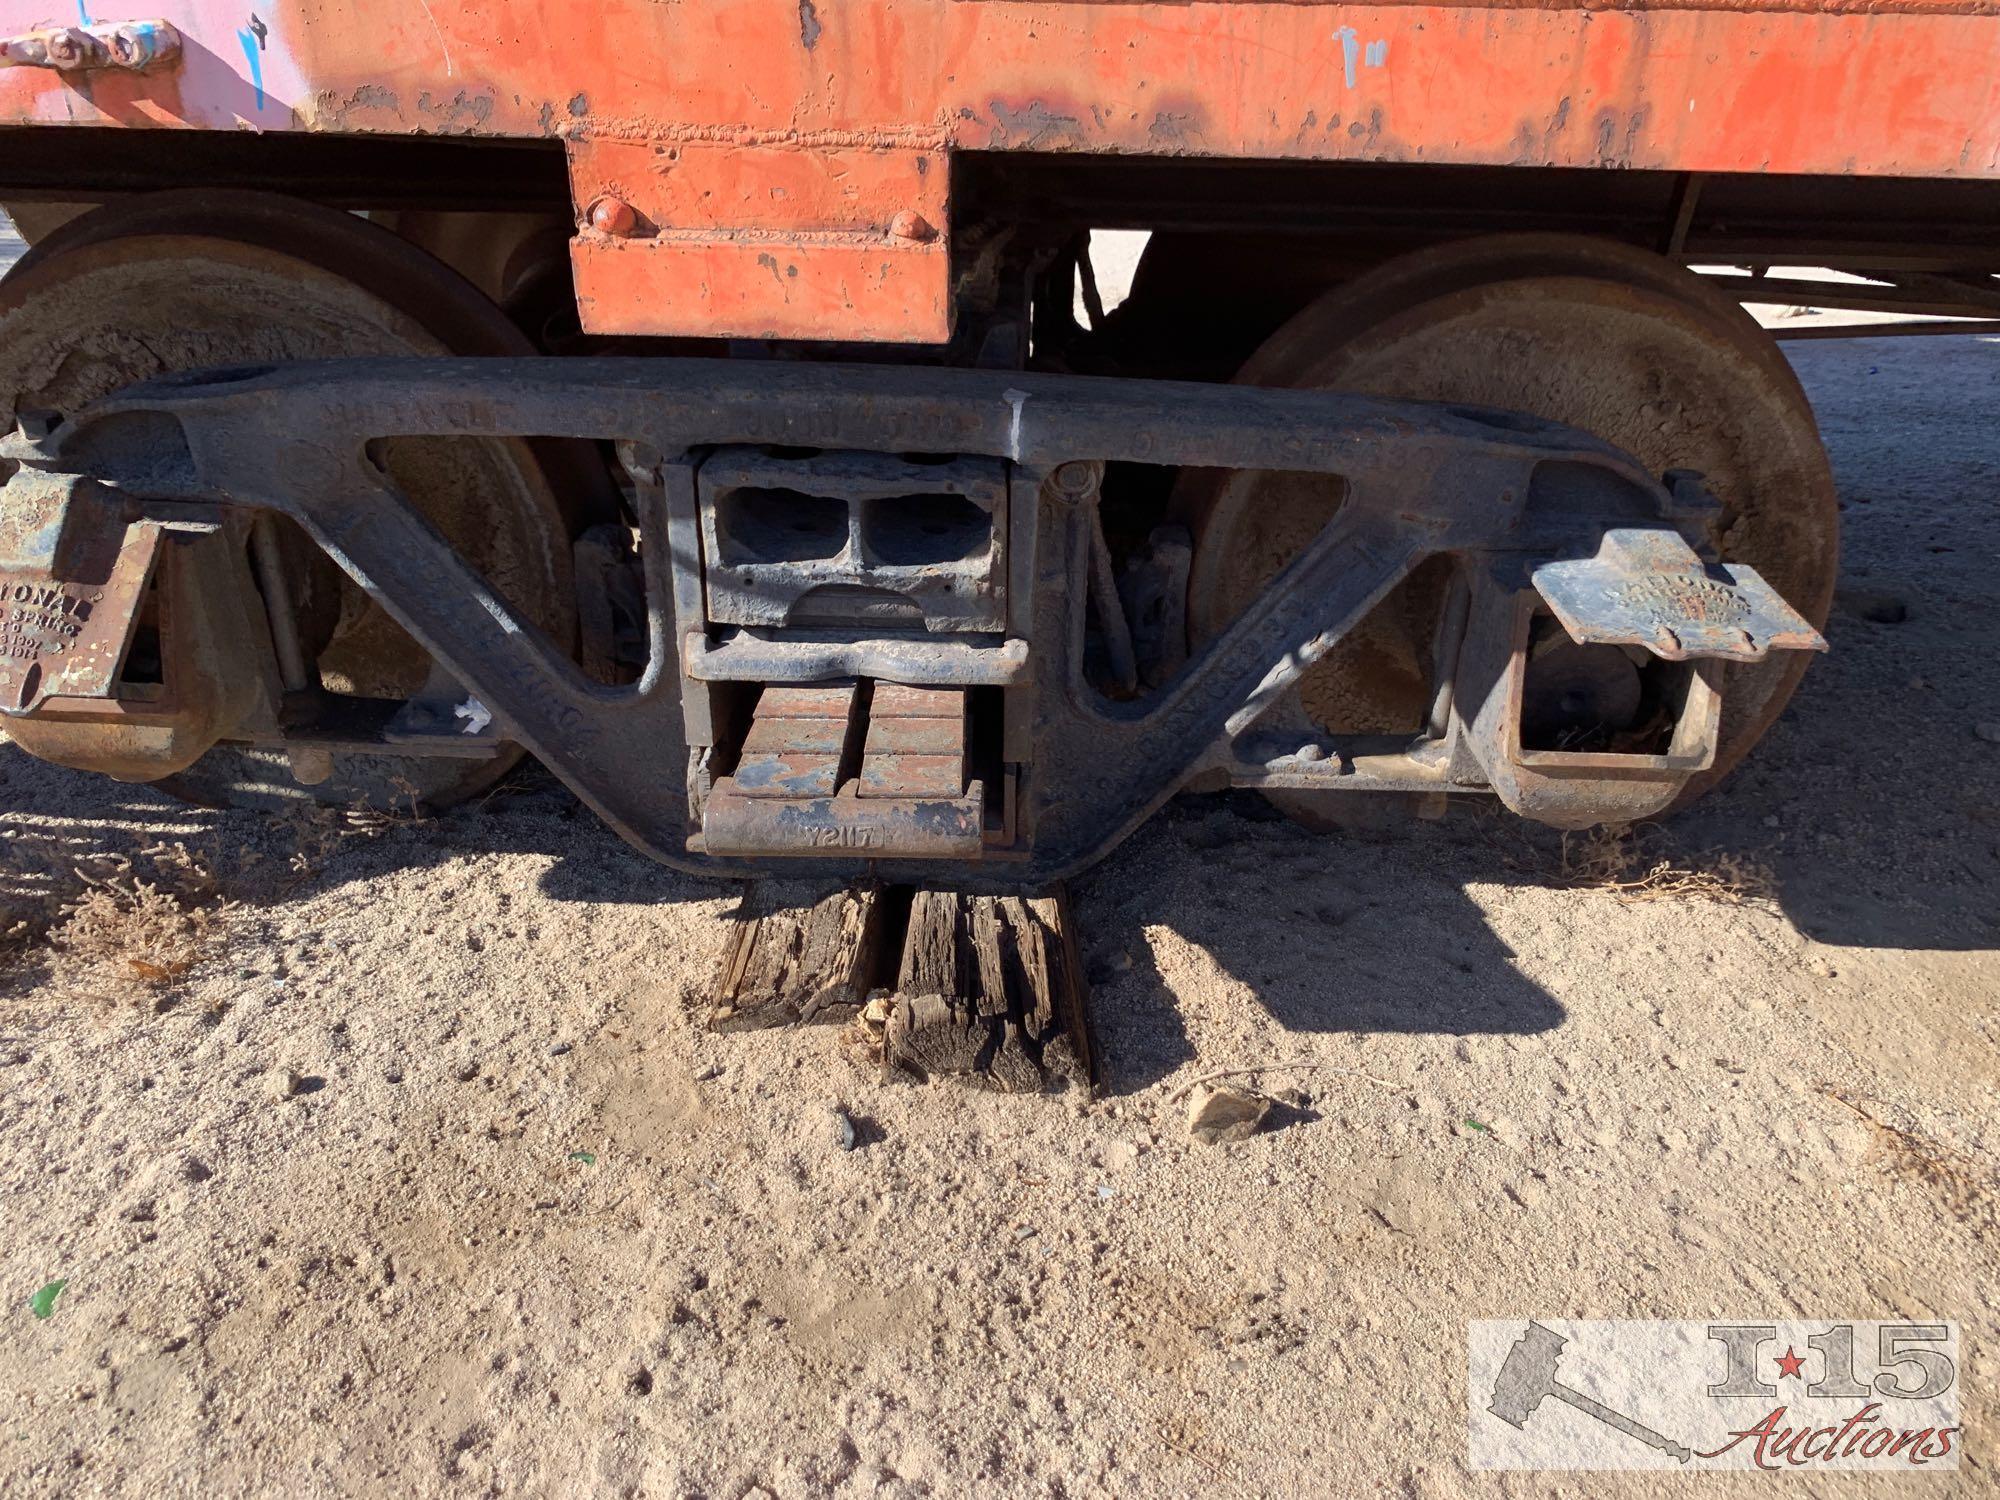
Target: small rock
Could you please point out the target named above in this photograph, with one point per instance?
(281, 1084)
(709, 1073)
(561, 1049)
(1989, 732)
(1216, 1115)
(845, 1136)
(1121, 1156)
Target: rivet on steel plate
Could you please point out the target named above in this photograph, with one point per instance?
(1076, 479)
(614, 216)
(909, 225)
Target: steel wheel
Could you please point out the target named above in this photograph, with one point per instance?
(1616, 341)
(182, 281)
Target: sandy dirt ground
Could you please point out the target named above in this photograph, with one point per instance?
(425, 1178)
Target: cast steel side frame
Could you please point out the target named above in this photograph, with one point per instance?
(1421, 479)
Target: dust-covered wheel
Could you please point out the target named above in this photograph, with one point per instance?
(178, 281)
(1613, 340)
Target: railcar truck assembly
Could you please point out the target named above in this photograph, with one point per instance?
(715, 400)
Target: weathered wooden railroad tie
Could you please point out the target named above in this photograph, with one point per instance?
(983, 990)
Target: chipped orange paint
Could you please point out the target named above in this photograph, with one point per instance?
(790, 90)
(782, 240)
(768, 286)
(722, 185)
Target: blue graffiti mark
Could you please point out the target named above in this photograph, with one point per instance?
(83, 12)
(249, 41)
(1376, 56)
(1350, 51)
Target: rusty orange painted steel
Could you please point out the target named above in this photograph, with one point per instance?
(766, 241)
(792, 94)
(1907, 89)
(802, 285)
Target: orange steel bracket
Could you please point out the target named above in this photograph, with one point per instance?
(767, 239)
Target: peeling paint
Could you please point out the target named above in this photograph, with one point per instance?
(1033, 126)
(462, 114)
(1898, 86)
(1617, 136)
(1173, 131)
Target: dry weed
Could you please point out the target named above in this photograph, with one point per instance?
(316, 831)
(135, 930)
(529, 778)
(311, 835)
(408, 813)
(1611, 859)
(1916, 1157)
(143, 918)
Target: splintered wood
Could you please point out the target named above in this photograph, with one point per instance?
(787, 964)
(988, 990)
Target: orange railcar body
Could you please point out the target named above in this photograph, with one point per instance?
(779, 168)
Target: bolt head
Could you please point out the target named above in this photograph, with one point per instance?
(1075, 479)
(613, 215)
(910, 225)
(71, 47)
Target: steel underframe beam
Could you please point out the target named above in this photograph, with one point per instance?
(1422, 479)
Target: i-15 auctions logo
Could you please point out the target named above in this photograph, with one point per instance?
(1776, 1396)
